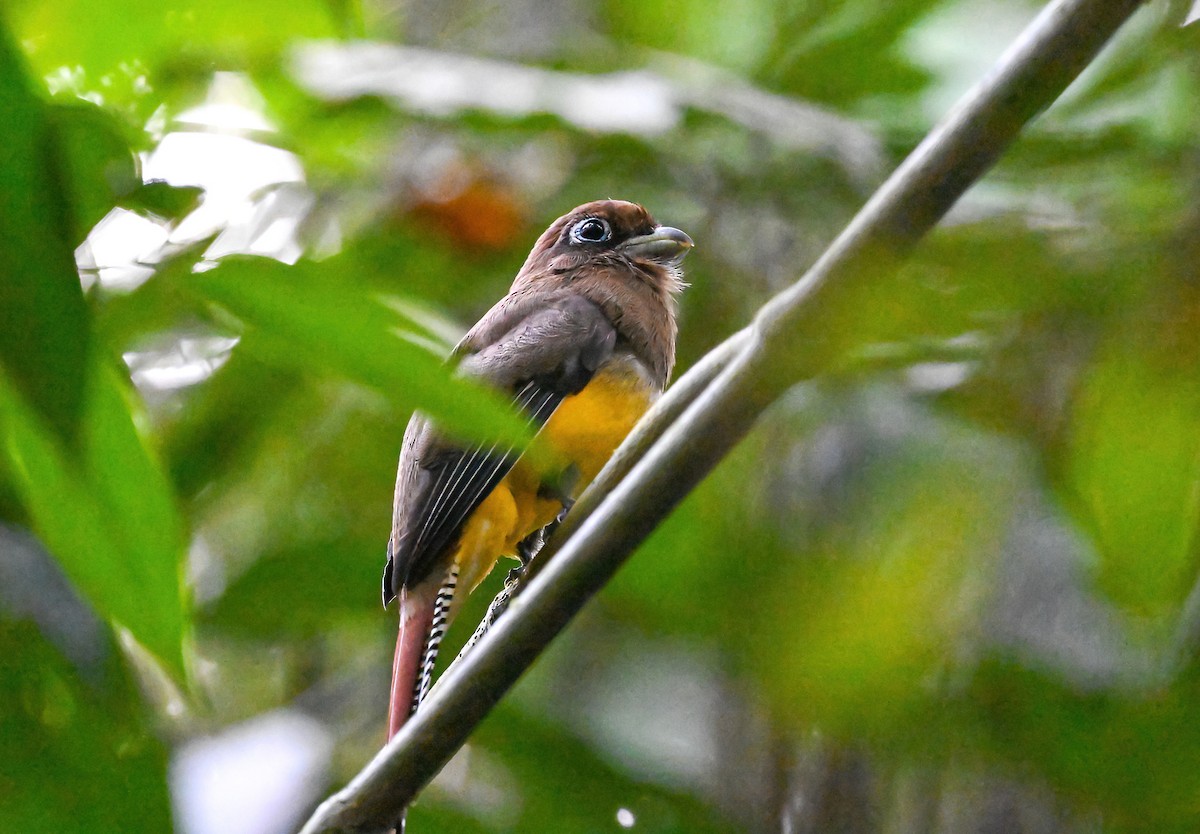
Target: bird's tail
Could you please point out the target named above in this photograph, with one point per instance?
(423, 624)
(416, 616)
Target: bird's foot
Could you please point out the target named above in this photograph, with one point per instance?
(567, 503)
(527, 548)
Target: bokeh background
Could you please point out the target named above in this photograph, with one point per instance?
(948, 586)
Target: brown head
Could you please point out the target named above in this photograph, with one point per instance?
(609, 234)
(616, 254)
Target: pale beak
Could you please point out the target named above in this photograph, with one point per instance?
(665, 245)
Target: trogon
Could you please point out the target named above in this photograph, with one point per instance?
(583, 342)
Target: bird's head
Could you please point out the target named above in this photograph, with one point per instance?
(610, 235)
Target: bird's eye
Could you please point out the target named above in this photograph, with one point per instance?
(591, 230)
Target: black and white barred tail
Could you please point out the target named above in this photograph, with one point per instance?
(437, 630)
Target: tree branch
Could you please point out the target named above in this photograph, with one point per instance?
(798, 334)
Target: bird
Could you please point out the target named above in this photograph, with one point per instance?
(583, 343)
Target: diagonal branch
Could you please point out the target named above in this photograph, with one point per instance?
(800, 333)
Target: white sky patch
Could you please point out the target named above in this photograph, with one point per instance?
(231, 170)
(268, 225)
(218, 150)
(253, 202)
(188, 360)
(120, 249)
(625, 818)
(232, 104)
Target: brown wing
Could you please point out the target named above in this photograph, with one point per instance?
(550, 352)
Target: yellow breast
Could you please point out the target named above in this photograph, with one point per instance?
(587, 428)
(584, 432)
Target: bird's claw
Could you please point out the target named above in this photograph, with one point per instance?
(528, 547)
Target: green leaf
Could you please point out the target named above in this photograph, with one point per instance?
(100, 37)
(1134, 754)
(735, 36)
(313, 316)
(123, 321)
(892, 593)
(99, 167)
(216, 437)
(578, 790)
(43, 319)
(76, 751)
(170, 202)
(1133, 459)
(106, 513)
(811, 51)
(276, 597)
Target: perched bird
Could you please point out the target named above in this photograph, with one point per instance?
(584, 342)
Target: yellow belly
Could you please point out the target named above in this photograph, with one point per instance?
(585, 430)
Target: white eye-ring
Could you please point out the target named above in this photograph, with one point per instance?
(591, 230)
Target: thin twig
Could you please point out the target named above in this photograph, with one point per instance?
(795, 336)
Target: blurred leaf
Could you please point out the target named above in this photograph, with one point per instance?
(170, 202)
(426, 260)
(817, 42)
(892, 593)
(107, 514)
(99, 169)
(43, 321)
(550, 780)
(730, 35)
(76, 753)
(328, 448)
(213, 438)
(1134, 754)
(102, 36)
(296, 592)
(125, 320)
(308, 316)
(1133, 459)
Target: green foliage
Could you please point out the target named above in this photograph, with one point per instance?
(77, 752)
(103, 37)
(561, 779)
(1142, 506)
(106, 512)
(968, 551)
(331, 325)
(44, 335)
